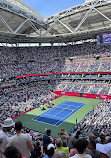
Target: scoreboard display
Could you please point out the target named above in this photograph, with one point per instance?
(107, 38)
(103, 38)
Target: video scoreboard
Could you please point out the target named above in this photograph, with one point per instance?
(104, 39)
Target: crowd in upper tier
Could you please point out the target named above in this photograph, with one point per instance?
(35, 60)
(14, 70)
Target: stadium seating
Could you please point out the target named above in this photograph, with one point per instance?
(24, 94)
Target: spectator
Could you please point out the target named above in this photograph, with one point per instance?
(21, 141)
(74, 150)
(104, 149)
(63, 135)
(81, 148)
(50, 151)
(37, 151)
(92, 146)
(47, 139)
(12, 152)
(60, 147)
(60, 154)
(4, 139)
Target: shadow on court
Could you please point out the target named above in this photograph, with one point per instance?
(40, 126)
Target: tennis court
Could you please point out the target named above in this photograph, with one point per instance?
(68, 124)
(58, 114)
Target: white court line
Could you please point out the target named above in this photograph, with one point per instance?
(69, 113)
(59, 112)
(54, 115)
(51, 115)
(74, 106)
(45, 123)
(61, 109)
(43, 113)
(80, 106)
(51, 110)
(47, 112)
(58, 121)
(63, 118)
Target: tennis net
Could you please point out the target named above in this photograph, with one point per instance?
(63, 109)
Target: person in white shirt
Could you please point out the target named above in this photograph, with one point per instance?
(4, 139)
(21, 141)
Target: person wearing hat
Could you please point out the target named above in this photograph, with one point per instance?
(50, 151)
(104, 149)
(4, 139)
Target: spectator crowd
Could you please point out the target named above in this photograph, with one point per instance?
(35, 60)
(89, 138)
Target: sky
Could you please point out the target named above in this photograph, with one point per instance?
(50, 7)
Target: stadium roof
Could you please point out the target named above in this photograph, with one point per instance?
(19, 23)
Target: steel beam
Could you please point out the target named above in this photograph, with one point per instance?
(82, 21)
(5, 23)
(20, 26)
(85, 17)
(102, 14)
(49, 28)
(65, 26)
(34, 27)
(77, 9)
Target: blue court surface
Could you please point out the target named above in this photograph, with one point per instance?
(58, 114)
